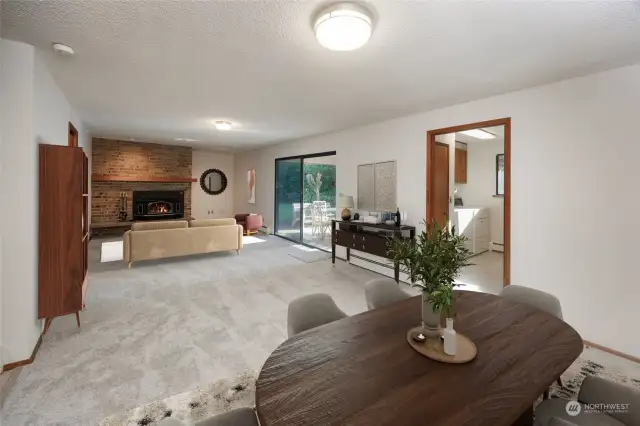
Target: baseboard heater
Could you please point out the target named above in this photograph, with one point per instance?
(497, 246)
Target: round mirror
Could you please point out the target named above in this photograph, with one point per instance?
(213, 181)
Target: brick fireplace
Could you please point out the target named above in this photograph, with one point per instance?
(121, 167)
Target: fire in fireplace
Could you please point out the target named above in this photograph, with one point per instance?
(150, 205)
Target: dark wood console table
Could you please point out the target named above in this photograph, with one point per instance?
(368, 238)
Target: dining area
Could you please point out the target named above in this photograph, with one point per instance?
(336, 369)
(439, 356)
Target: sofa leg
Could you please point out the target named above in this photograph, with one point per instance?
(129, 265)
(238, 251)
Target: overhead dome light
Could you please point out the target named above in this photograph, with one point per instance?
(223, 125)
(63, 49)
(343, 27)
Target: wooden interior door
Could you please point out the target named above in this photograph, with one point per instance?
(440, 187)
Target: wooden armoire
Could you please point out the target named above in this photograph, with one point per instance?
(63, 231)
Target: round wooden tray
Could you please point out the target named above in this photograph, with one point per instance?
(465, 349)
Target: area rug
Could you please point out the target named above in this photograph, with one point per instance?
(219, 397)
(308, 254)
(248, 239)
(111, 251)
(581, 368)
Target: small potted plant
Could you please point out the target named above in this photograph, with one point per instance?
(432, 260)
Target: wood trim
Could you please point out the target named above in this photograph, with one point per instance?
(612, 351)
(28, 361)
(114, 178)
(73, 136)
(431, 140)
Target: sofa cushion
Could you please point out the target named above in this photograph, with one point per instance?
(199, 223)
(160, 224)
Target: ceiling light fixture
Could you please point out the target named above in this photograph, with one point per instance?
(184, 140)
(63, 49)
(223, 125)
(343, 27)
(479, 134)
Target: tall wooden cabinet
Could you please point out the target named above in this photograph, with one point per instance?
(63, 231)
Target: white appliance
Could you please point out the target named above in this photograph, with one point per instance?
(473, 223)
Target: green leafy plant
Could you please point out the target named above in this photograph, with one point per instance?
(433, 260)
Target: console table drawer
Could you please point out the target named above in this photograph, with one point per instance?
(377, 246)
(344, 238)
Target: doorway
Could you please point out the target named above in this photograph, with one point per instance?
(469, 187)
(305, 198)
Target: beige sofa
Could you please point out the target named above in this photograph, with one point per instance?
(161, 239)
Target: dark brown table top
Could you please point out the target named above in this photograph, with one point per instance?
(361, 370)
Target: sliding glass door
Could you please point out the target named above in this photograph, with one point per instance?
(288, 198)
(305, 198)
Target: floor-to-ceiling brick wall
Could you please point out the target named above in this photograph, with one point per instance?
(135, 160)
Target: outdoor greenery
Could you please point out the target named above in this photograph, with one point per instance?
(433, 261)
(288, 186)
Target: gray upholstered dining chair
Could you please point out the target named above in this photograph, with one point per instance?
(312, 311)
(536, 298)
(594, 390)
(238, 417)
(383, 291)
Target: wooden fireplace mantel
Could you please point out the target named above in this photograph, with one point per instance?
(115, 178)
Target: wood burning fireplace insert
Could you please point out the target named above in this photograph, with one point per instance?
(158, 205)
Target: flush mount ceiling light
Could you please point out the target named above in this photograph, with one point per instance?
(479, 134)
(63, 49)
(223, 125)
(343, 27)
(184, 140)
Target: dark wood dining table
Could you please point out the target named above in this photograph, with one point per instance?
(362, 371)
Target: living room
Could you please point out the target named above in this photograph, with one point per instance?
(202, 325)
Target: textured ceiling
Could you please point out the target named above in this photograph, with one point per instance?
(163, 69)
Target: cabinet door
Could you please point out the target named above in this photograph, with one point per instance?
(460, 172)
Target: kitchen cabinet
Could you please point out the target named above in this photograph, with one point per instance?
(460, 171)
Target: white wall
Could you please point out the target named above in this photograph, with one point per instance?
(204, 205)
(34, 110)
(21, 328)
(573, 160)
(480, 188)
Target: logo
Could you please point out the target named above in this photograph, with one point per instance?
(573, 408)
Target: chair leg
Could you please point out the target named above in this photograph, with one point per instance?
(78, 318)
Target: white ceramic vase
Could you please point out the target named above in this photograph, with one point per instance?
(430, 319)
(450, 338)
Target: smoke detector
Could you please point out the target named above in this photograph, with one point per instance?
(63, 49)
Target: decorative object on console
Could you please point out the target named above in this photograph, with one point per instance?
(251, 185)
(213, 181)
(356, 216)
(346, 202)
(397, 216)
(377, 186)
(63, 192)
(250, 222)
(433, 262)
